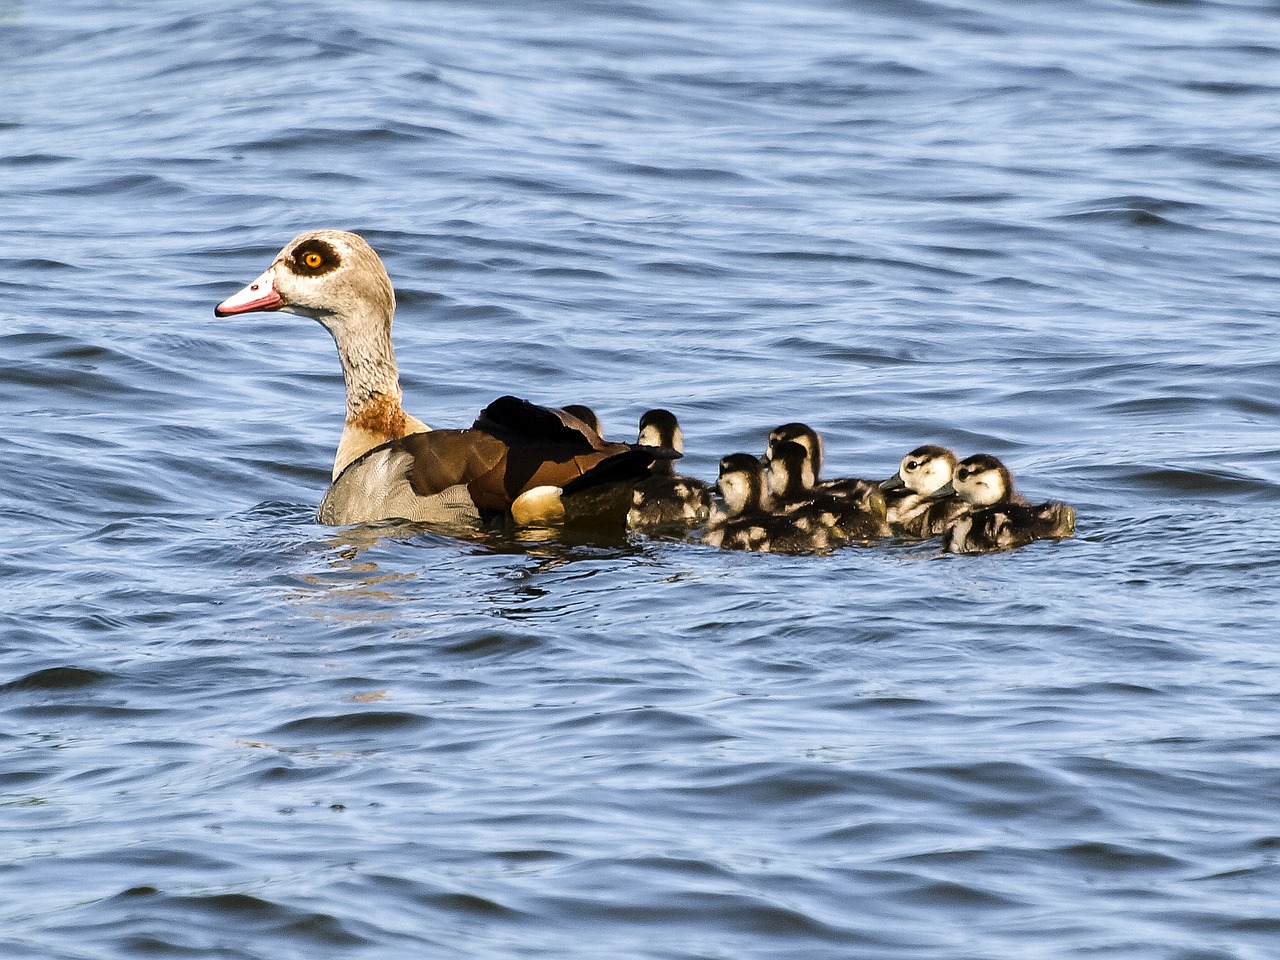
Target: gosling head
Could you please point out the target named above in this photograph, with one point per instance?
(586, 415)
(660, 428)
(790, 474)
(983, 480)
(924, 470)
(802, 434)
(741, 483)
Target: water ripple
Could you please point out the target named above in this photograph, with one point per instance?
(232, 732)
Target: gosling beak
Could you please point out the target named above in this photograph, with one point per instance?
(259, 295)
(893, 483)
(947, 491)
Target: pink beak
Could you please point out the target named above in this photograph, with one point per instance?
(259, 295)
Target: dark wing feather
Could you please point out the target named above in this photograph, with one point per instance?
(512, 419)
(629, 466)
(548, 447)
(602, 495)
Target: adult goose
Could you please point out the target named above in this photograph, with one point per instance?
(536, 464)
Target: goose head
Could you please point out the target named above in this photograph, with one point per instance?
(331, 276)
(335, 278)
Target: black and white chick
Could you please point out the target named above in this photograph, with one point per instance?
(665, 500)
(792, 491)
(911, 506)
(741, 522)
(999, 518)
(865, 495)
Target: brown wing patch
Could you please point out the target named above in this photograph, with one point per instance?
(538, 465)
(447, 458)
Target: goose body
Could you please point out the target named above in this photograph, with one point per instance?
(517, 457)
(665, 500)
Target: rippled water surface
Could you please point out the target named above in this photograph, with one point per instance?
(1045, 231)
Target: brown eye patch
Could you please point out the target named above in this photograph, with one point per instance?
(314, 257)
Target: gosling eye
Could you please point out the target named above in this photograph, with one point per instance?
(912, 465)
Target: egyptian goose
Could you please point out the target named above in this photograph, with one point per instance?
(846, 493)
(585, 414)
(791, 490)
(1009, 525)
(981, 481)
(517, 457)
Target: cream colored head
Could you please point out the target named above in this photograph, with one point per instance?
(982, 480)
(741, 483)
(802, 434)
(329, 275)
(660, 428)
(927, 469)
(790, 474)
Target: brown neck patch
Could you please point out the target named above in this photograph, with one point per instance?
(381, 415)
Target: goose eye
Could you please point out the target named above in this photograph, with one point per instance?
(313, 257)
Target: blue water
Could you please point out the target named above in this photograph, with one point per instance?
(1045, 231)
